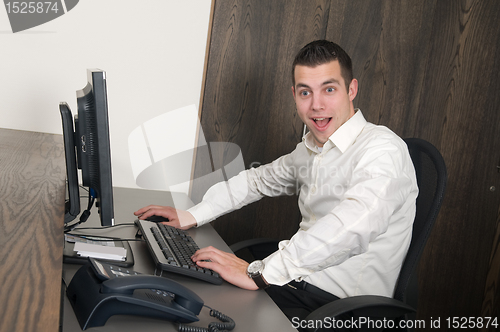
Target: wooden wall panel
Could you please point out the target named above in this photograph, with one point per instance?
(248, 98)
(426, 69)
(461, 75)
(491, 300)
(388, 42)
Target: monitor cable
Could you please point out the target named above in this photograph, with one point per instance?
(85, 214)
(98, 238)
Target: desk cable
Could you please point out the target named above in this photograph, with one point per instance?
(98, 238)
(226, 324)
(85, 214)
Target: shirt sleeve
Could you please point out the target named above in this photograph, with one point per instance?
(274, 179)
(380, 184)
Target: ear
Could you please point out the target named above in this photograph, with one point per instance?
(353, 89)
(293, 91)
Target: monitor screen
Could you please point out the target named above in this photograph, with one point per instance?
(92, 144)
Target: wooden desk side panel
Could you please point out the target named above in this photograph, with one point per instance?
(32, 194)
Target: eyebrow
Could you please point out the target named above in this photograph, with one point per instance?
(329, 81)
(301, 85)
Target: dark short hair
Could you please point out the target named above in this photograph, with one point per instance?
(320, 52)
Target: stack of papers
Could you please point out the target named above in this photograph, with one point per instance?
(100, 251)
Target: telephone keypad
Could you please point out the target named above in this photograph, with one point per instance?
(107, 271)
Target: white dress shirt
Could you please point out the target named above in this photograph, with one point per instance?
(357, 199)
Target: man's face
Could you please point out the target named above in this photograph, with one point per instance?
(323, 102)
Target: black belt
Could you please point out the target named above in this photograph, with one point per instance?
(313, 290)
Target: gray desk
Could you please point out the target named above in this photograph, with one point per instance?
(251, 310)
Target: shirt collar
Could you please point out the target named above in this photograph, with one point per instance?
(343, 137)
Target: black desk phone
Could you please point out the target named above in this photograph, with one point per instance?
(100, 290)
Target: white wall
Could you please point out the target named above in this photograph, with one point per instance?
(153, 52)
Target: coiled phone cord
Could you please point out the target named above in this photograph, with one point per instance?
(227, 324)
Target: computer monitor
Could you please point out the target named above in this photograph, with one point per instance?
(73, 202)
(92, 145)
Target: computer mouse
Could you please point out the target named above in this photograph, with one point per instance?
(156, 219)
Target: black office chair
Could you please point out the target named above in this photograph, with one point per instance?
(431, 178)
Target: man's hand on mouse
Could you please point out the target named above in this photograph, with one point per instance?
(177, 218)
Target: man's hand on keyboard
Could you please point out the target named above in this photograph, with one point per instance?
(228, 266)
(177, 218)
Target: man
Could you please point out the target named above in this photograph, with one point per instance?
(357, 197)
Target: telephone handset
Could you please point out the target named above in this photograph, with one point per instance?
(100, 290)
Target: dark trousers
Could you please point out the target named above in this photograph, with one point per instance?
(299, 299)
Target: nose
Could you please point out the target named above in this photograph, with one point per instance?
(317, 103)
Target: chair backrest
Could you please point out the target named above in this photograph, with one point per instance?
(431, 174)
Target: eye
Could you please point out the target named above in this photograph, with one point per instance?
(304, 93)
(330, 89)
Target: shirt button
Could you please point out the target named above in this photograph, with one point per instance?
(313, 190)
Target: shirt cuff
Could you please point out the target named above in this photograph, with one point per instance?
(274, 268)
(202, 213)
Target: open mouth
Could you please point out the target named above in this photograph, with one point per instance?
(321, 122)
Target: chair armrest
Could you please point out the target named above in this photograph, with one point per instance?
(363, 306)
(250, 243)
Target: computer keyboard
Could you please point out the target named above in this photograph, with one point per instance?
(172, 249)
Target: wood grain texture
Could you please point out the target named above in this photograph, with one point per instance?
(32, 187)
(463, 93)
(248, 99)
(491, 300)
(426, 69)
